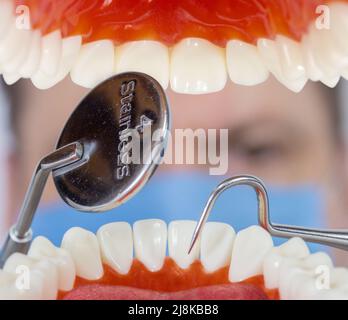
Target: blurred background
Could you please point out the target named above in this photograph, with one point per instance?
(296, 143)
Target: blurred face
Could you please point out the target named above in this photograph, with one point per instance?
(273, 133)
(277, 135)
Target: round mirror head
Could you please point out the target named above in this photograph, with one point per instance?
(123, 125)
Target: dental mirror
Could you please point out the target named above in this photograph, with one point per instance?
(109, 148)
(104, 123)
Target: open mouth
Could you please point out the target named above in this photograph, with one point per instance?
(194, 49)
(223, 265)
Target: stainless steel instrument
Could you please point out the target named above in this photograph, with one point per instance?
(333, 238)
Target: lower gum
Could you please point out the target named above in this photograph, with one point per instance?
(170, 278)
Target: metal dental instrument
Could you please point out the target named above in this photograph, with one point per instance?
(96, 165)
(332, 238)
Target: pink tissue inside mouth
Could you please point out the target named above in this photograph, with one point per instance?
(170, 21)
(231, 291)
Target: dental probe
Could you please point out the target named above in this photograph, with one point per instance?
(109, 148)
(332, 238)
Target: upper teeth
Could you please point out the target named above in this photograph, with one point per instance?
(197, 66)
(31, 64)
(191, 66)
(70, 52)
(289, 267)
(6, 9)
(51, 49)
(130, 57)
(94, 64)
(13, 64)
(244, 63)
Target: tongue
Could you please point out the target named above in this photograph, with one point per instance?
(231, 291)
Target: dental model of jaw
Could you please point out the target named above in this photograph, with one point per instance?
(222, 265)
(194, 49)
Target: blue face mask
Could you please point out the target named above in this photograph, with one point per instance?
(183, 196)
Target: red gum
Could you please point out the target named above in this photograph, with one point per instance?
(169, 21)
(170, 278)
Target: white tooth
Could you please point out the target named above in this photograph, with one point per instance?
(51, 52)
(70, 51)
(6, 14)
(11, 78)
(150, 242)
(313, 71)
(295, 85)
(10, 44)
(42, 248)
(321, 51)
(339, 24)
(344, 73)
(15, 287)
(216, 245)
(291, 59)
(331, 54)
(318, 44)
(15, 62)
(318, 283)
(335, 294)
(339, 278)
(289, 269)
(40, 272)
(303, 287)
(289, 284)
(94, 64)
(338, 286)
(331, 82)
(249, 250)
(179, 238)
(299, 278)
(84, 249)
(317, 259)
(32, 62)
(293, 248)
(149, 57)
(270, 55)
(197, 66)
(244, 64)
(116, 244)
(336, 58)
